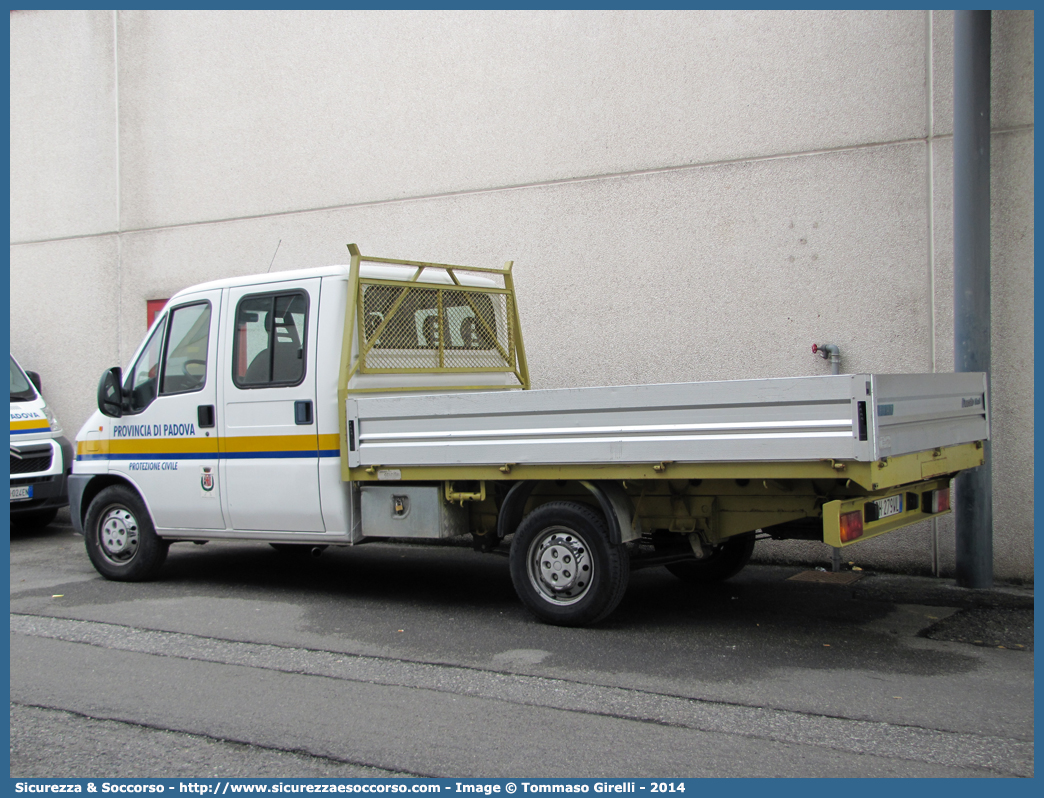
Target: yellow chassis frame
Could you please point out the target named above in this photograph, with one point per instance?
(918, 473)
(874, 476)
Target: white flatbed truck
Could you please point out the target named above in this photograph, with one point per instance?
(390, 400)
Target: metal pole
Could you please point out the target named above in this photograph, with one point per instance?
(971, 279)
(832, 351)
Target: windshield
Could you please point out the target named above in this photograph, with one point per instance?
(21, 389)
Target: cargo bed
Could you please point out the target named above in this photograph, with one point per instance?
(850, 417)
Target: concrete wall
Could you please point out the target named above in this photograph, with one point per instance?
(686, 195)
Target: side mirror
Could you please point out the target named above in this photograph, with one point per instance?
(34, 378)
(110, 393)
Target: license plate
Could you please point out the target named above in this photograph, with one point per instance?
(20, 493)
(893, 505)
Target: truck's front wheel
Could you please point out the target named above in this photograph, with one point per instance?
(120, 538)
(564, 567)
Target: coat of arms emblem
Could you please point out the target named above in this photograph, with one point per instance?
(206, 481)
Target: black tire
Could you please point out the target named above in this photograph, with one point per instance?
(37, 519)
(297, 548)
(120, 538)
(563, 566)
(727, 560)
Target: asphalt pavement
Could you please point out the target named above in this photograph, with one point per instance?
(385, 660)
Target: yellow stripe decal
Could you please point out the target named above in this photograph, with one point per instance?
(30, 425)
(232, 447)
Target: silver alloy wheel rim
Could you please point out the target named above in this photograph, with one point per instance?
(560, 565)
(118, 536)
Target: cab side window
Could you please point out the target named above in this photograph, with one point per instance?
(270, 340)
(185, 363)
(180, 367)
(140, 388)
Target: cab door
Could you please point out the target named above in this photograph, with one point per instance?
(166, 441)
(270, 445)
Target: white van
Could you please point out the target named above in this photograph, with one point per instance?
(41, 457)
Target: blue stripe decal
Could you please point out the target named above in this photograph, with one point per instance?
(267, 455)
(178, 456)
(33, 431)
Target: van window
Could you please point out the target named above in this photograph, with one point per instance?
(185, 364)
(141, 384)
(270, 339)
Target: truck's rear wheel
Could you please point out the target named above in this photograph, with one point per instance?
(120, 538)
(299, 548)
(563, 566)
(727, 560)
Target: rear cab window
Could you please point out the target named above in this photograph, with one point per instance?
(270, 340)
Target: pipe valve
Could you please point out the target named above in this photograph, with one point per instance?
(829, 352)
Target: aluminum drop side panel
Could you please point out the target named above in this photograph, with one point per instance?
(800, 418)
(808, 418)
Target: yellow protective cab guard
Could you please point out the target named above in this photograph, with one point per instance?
(913, 510)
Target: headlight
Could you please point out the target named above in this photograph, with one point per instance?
(52, 419)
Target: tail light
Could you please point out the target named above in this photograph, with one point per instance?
(937, 501)
(851, 526)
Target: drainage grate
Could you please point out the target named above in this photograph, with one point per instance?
(831, 578)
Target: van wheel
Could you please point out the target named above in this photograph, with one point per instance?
(563, 566)
(120, 538)
(727, 560)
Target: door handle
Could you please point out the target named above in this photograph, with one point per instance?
(205, 416)
(303, 412)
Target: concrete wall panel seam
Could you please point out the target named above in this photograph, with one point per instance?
(930, 176)
(522, 186)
